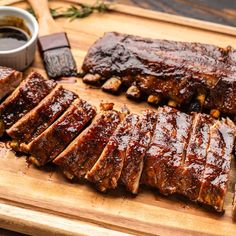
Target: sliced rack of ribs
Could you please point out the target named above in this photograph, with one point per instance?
(81, 155)
(189, 176)
(167, 149)
(191, 76)
(9, 80)
(41, 117)
(107, 170)
(218, 160)
(174, 152)
(26, 96)
(202, 173)
(56, 138)
(136, 150)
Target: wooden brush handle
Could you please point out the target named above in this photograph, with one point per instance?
(47, 25)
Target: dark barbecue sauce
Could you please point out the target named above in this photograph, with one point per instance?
(12, 38)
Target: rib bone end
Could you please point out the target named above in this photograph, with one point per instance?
(68, 175)
(201, 98)
(172, 103)
(34, 161)
(15, 145)
(133, 92)
(92, 79)
(112, 85)
(215, 113)
(153, 99)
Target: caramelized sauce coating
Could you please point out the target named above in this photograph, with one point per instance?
(167, 149)
(223, 96)
(168, 69)
(123, 54)
(139, 142)
(30, 92)
(219, 155)
(107, 170)
(9, 80)
(39, 119)
(56, 138)
(81, 155)
(189, 176)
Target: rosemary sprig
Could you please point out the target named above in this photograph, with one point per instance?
(73, 12)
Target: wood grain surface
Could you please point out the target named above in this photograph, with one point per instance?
(41, 202)
(220, 11)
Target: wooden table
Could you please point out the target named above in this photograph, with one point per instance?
(223, 12)
(218, 11)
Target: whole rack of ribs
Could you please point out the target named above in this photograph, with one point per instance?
(174, 152)
(192, 76)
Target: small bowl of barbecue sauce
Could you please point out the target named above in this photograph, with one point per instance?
(18, 37)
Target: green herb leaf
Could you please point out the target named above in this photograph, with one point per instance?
(73, 12)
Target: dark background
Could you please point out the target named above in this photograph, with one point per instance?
(218, 11)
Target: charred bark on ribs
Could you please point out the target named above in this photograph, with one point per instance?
(81, 155)
(26, 96)
(56, 138)
(9, 80)
(192, 76)
(169, 150)
(41, 117)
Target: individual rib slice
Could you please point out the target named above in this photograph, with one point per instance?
(44, 114)
(167, 149)
(189, 176)
(81, 155)
(55, 139)
(140, 140)
(107, 170)
(28, 94)
(219, 155)
(9, 80)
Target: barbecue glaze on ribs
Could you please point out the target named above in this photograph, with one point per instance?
(218, 159)
(107, 170)
(81, 155)
(190, 75)
(42, 116)
(175, 152)
(9, 80)
(167, 149)
(136, 150)
(27, 95)
(55, 139)
(189, 176)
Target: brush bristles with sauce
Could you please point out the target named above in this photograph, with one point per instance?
(57, 57)
(53, 43)
(59, 62)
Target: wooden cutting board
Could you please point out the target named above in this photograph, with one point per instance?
(42, 202)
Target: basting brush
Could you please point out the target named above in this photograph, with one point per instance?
(53, 43)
